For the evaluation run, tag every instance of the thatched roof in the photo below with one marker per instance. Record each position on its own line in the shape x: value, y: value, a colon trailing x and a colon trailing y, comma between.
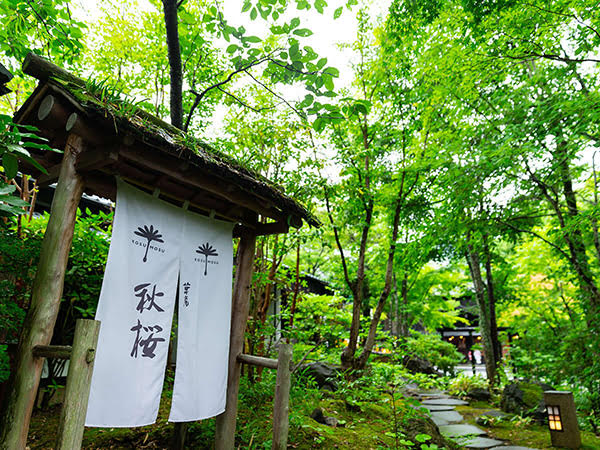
x: 126, y: 141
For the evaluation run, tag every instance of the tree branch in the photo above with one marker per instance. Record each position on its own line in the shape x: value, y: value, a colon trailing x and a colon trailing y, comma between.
x: 200, y: 96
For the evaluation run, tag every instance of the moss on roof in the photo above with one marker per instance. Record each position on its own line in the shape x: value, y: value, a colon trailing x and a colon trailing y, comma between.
x: 100, y: 101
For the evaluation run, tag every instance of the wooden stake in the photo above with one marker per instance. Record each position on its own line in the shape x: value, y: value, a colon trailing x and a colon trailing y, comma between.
x: 81, y: 364
x: 226, y: 422
x: 281, y: 402
x: 45, y: 301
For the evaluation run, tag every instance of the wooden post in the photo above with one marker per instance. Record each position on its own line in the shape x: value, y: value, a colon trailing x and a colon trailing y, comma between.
x: 226, y: 422
x: 179, y: 435
x: 281, y: 402
x: 45, y: 301
x: 81, y: 364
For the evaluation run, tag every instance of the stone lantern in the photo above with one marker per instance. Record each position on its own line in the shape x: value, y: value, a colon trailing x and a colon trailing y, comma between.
x: 562, y: 419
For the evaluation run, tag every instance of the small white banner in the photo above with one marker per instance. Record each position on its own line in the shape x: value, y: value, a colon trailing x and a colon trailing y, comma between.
x: 136, y: 309
x: 204, y: 319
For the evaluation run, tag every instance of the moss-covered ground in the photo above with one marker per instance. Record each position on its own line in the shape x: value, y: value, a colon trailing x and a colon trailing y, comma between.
x: 520, y: 431
x: 371, y: 411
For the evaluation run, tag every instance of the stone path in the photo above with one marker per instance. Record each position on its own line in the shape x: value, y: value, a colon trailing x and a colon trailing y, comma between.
x: 450, y: 422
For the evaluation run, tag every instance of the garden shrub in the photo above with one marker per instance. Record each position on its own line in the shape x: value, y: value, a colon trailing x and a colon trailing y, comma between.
x: 19, y: 255
x: 431, y: 347
x: 462, y: 384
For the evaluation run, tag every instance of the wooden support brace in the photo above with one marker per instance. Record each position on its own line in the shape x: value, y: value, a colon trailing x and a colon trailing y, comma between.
x: 52, y: 351
x: 226, y: 422
x: 281, y: 402
x: 89, y: 160
x: 79, y: 378
x: 258, y: 361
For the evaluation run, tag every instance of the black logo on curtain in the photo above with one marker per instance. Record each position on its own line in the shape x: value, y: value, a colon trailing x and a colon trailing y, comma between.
x: 206, y: 250
x: 151, y: 235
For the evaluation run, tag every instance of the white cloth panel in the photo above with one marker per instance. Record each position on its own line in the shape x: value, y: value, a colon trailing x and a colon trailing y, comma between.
x: 136, y: 309
x: 204, y: 319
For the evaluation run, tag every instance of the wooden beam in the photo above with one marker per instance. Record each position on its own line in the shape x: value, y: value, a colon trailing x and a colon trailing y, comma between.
x: 52, y: 351
x: 228, y: 215
x: 87, y: 161
x: 169, y: 165
x: 226, y: 422
x: 101, y: 185
x: 45, y: 301
x: 42, y: 69
x: 257, y: 361
x: 51, y: 113
x: 281, y: 402
x: 79, y: 379
x: 46, y: 179
x: 77, y: 124
x: 262, y: 229
x: 95, y: 159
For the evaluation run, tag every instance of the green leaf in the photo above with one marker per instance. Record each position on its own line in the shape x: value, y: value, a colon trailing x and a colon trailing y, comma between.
x: 319, y: 124
x: 11, y: 165
x: 294, y: 23
x: 232, y: 48
x: 337, y: 13
x: 422, y: 437
x: 7, y: 189
x: 294, y: 51
x: 304, y: 32
x: 253, y: 14
x: 252, y: 39
x: 332, y: 71
x: 14, y: 201
x: 11, y: 209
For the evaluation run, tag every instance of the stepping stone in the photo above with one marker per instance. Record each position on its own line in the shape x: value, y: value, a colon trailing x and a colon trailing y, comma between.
x: 448, y: 416
x: 444, y: 401
x: 512, y: 447
x: 480, y: 442
x: 461, y: 429
x: 439, y: 407
x: 432, y: 396
x: 439, y: 422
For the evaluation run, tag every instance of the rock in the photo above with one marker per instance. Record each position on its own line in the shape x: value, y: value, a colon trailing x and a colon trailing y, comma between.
x: 416, y: 364
x: 479, y: 394
x: 437, y: 407
x: 331, y: 421
x: 461, y: 429
x: 424, y: 425
x: 526, y: 398
x: 323, y: 373
x: 318, y: 416
x: 479, y: 442
x: 448, y: 416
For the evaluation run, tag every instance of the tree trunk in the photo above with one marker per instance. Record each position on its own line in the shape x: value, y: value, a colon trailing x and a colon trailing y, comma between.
x: 174, y: 50
x: 385, y: 293
x: 491, y: 302
x: 484, y: 319
x: 45, y: 300
x: 347, y: 357
x: 404, y: 326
